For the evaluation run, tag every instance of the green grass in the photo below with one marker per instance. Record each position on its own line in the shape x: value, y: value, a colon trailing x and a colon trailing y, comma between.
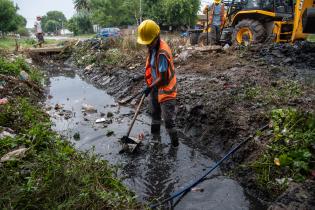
x: 311, y: 38
x: 8, y: 43
x: 281, y: 92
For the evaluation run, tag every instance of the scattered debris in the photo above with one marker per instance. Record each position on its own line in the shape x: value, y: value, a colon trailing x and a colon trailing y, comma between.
x: 88, y: 108
x: 226, y: 47
x: 58, y: 106
x: 19, y: 153
x: 100, y: 120
x: 89, y: 67
x: 4, y: 134
x: 24, y: 76
x: 110, y: 114
x: 276, y: 161
x: 109, y: 133
x: 284, y: 180
x: 3, y: 101
x: 197, y: 189
x: 76, y: 136
x: 141, y: 136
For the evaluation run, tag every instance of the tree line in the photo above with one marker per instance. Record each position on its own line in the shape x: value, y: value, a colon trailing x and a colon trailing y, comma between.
x: 106, y: 13
x: 109, y: 13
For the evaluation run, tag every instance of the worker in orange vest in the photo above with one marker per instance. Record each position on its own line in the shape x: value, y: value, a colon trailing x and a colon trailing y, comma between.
x: 160, y: 78
x: 216, y: 17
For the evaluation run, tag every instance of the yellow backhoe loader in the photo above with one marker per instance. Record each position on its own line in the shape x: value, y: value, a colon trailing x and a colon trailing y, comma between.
x: 254, y: 21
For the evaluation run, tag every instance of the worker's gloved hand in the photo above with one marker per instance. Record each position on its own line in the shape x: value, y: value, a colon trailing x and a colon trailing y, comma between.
x: 147, y: 91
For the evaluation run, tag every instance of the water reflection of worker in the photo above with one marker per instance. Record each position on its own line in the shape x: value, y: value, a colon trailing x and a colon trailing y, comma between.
x: 216, y: 16
x: 160, y: 78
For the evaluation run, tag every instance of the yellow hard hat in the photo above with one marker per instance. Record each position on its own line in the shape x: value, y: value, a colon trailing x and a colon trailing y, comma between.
x: 147, y: 32
x: 217, y: 1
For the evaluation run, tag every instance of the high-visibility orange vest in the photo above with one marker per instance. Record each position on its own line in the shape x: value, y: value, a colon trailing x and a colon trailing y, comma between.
x: 168, y: 91
x: 222, y: 14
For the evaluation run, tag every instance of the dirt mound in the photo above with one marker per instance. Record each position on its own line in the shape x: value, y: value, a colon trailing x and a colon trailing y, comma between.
x: 300, y: 54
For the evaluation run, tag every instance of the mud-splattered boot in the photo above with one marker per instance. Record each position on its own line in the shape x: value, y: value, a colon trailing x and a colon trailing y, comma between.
x: 174, y: 139
x: 155, y: 128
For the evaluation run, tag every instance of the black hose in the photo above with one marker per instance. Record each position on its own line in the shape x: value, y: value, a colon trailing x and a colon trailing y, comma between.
x: 211, y: 168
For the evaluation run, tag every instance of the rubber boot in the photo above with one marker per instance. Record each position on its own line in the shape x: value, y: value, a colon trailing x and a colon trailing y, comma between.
x: 155, y: 128
x: 174, y: 139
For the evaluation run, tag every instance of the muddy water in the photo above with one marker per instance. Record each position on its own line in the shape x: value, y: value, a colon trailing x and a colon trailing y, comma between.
x: 156, y: 170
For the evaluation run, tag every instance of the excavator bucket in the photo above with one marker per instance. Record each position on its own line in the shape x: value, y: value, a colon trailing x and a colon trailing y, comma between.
x: 309, y: 21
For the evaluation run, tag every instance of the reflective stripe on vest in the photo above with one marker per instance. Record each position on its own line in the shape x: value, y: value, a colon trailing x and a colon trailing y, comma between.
x: 168, y: 91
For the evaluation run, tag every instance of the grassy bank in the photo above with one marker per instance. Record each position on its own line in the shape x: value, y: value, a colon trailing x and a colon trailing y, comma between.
x: 50, y: 173
x: 311, y: 38
x: 9, y: 42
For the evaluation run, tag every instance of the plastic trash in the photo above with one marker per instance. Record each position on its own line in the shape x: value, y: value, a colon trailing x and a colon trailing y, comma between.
x: 19, y: 153
x: 88, y: 108
x: 6, y: 134
x: 226, y: 46
x: 3, y: 101
x: 276, y: 161
x: 197, y: 189
x: 24, y: 76
x: 100, y: 120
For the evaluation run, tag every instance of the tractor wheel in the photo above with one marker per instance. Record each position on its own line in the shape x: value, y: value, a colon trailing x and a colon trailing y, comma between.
x: 203, y: 39
x: 248, y: 31
x: 194, y: 38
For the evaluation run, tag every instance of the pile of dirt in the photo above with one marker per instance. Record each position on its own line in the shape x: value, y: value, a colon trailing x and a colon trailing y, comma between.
x: 300, y: 54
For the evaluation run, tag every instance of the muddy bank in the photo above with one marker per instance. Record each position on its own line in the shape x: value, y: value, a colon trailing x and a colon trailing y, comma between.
x: 224, y: 96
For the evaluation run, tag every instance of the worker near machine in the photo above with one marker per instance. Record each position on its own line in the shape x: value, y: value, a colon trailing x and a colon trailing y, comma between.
x: 39, y: 31
x: 160, y: 78
x: 216, y: 17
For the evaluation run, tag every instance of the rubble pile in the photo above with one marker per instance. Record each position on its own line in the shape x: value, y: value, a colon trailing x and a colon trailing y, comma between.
x: 300, y: 54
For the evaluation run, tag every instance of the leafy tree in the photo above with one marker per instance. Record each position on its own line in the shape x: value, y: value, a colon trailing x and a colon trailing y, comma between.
x: 56, y: 16
x: 172, y: 13
x: 80, y: 5
x: 80, y: 23
x: 51, y: 26
x: 9, y: 19
x: 110, y: 12
x: 127, y: 12
x: 180, y: 12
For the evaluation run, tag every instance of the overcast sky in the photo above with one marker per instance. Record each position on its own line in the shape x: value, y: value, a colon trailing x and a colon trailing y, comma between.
x: 31, y: 8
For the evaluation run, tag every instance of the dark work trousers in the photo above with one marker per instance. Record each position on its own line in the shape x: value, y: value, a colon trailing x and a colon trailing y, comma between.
x: 217, y: 33
x: 165, y: 109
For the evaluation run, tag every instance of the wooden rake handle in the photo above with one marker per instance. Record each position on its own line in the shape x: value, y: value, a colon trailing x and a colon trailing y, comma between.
x: 136, y: 114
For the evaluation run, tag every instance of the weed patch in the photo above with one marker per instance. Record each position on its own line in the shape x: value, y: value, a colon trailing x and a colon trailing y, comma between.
x: 281, y: 92
x: 290, y: 151
x: 13, y: 68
